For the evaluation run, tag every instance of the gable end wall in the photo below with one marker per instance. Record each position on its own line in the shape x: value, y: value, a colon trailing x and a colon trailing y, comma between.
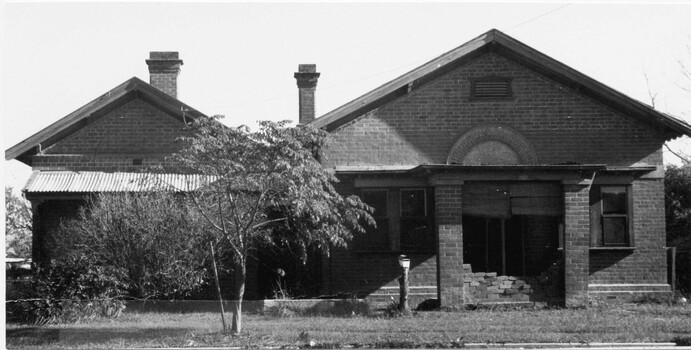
x: 561, y: 125
x: 134, y: 130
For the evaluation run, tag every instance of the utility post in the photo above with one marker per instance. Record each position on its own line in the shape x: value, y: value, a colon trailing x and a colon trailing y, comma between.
x: 404, y: 263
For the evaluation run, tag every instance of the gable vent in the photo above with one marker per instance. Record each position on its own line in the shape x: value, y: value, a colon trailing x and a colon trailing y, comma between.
x: 493, y: 88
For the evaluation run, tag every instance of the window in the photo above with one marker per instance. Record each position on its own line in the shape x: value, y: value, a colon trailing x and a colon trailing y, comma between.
x: 404, y: 220
x: 416, y: 230
x: 491, y: 88
x: 377, y: 238
x: 610, y: 216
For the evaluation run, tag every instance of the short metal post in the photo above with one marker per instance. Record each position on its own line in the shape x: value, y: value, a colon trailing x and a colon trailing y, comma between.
x: 404, y: 291
x: 404, y: 262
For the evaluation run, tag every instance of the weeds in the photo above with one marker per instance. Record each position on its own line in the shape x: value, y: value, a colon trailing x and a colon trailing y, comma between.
x: 682, y: 341
x: 449, y: 329
x: 339, y: 308
x: 393, y: 309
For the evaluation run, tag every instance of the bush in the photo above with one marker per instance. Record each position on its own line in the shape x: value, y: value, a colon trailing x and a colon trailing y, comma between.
x: 47, y: 311
x: 682, y: 341
x: 154, y: 241
x: 71, y: 290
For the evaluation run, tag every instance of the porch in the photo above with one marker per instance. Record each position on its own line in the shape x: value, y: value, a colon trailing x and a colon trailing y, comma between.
x: 517, y: 232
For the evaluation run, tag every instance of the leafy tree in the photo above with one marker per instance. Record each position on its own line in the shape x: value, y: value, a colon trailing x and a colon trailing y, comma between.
x: 678, y: 204
x: 17, y: 225
x: 264, y: 179
x: 155, y: 238
x: 678, y: 217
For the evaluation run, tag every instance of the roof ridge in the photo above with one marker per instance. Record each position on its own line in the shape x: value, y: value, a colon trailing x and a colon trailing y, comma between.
x: 517, y: 50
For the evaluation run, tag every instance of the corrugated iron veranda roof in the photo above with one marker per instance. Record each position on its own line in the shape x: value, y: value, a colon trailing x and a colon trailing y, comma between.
x: 87, y: 181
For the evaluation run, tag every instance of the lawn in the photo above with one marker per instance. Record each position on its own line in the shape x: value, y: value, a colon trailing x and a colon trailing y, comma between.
x: 632, y: 323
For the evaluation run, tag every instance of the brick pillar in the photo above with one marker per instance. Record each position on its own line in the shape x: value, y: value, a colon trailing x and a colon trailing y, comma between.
x: 307, y: 78
x: 576, y: 244
x: 447, y: 198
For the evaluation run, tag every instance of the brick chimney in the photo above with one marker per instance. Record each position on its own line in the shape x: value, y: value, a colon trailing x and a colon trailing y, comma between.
x: 164, y: 67
x: 307, y: 77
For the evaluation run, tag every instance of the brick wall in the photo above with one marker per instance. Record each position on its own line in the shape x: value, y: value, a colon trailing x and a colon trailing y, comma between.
x: 365, y: 273
x: 648, y: 262
x: 97, y: 162
x: 374, y: 274
x: 561, y: 125
x: 136, y: 130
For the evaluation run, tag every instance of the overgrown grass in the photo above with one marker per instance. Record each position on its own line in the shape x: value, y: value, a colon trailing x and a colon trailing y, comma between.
x: 634, y: 323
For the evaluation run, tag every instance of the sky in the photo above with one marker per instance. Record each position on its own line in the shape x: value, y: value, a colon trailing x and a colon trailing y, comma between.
x: 239, y: 58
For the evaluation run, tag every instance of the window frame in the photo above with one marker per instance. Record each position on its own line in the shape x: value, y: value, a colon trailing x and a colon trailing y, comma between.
x: 395, y: 219
x: 368, y: 242
x: 598, y: 216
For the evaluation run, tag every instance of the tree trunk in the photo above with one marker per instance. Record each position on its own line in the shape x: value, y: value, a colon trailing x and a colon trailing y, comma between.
x: 240, y: 272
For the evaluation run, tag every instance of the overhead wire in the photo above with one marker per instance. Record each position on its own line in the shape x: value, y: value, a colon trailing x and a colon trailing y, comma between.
x: 538, y: 17
x: 293, y: 95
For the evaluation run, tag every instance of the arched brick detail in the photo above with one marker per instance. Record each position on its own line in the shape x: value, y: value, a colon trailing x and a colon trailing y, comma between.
x: 506, y: 135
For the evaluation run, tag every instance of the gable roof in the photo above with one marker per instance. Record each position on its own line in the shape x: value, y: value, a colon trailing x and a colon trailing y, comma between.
x: 498, y: 42
x: 129, y: 90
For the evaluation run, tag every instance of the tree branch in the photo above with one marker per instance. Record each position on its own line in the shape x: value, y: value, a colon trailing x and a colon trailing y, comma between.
x: 652, y: 96
x: 683, y: 159
x: 267, y: 222
x: 201, y: 210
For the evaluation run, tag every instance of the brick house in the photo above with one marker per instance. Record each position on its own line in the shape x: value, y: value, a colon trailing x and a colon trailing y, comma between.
x: 103, y: 146
x: 505, y: 176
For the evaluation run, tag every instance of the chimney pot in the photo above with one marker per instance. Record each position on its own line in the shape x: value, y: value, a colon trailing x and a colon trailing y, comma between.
x: 307, y: 68
x: 307, y: 78
x: 164, y: 67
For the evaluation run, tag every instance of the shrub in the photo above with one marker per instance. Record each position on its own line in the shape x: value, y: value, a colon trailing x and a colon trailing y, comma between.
x: 71, y: 290
x: 682, y: 341
x: 154, y: 241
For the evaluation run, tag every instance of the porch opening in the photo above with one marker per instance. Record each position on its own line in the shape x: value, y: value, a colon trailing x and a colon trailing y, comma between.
x: 521, y: 245
x: 511, y: 238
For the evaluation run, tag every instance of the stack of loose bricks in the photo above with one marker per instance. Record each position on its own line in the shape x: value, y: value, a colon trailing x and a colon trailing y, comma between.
x: 488, y: 287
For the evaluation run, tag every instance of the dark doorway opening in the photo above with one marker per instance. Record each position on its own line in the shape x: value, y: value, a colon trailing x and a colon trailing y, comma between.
x: 522, y: 245
x: 493, y: 244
